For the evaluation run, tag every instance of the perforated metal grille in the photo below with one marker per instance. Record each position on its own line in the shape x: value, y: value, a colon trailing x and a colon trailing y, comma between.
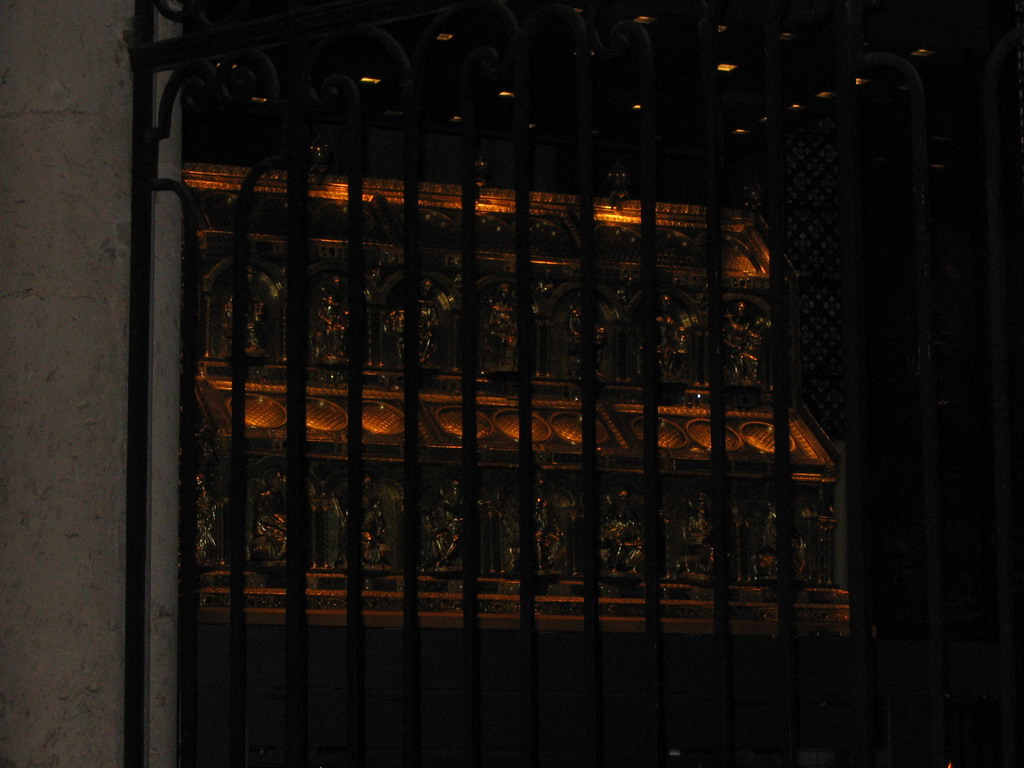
x: 812, y: 205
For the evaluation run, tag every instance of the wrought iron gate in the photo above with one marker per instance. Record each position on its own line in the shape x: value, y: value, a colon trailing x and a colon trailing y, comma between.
x: 610, y: 117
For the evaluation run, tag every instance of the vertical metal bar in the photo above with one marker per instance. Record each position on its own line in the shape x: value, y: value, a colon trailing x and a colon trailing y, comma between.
x: 238, y: 490
x: 137, y: 469
x: 782, y: 391
x: 929, y: 436
x: 927, y: 402
x: 1002, y: 457
x: 847, y: 19
x: 527, y: 476
x: 720, y: 525
x: 298, y: 527
x: 188, y: 584
x: 411, y: 372
x: 653, y: 528
x: 357, y: 353
x: 468, y: 361
x: 588, y: 391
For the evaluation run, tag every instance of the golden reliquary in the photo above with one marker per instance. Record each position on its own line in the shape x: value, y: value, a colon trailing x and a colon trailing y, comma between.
x: 684, y: 426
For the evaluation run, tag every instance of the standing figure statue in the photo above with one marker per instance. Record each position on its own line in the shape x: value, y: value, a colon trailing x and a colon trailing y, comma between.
x: 767, y: 556
x: 547, y: 534
x: 743, y: 337
x: 622, y: 534
x: 766, y: 559
x: 574, y: 345
x: 698, y: 555
x: 374, y: 529
x: 430, y: 322
x: 254, y: 326
x: 269, y: 520
x: 206, y: 524
x: 445, y: 525
x: 499, y: 332
x: 673, y: 342
x: 331, y: 324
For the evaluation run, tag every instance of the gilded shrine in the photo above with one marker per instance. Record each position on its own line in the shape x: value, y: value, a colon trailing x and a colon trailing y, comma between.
x: 684, y: 429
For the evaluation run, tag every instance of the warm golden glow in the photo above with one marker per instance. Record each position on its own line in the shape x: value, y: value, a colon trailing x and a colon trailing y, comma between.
x: 325, y: 416
x: 795, y: 107
x: 455, y: 119
x: 506, y: 95
x: 258, y: 100
x: 922, y: 52
x: 861, y: 80
x: 445, y: 36
x: 553, y: 424
x: 383, y: 419
x: 369, y: 80
x: 637, y: 107
x: 788, y: 36
x: 740, y: 131
x: 825, y: 95
x: 645, y: 19
x: 727, y: 67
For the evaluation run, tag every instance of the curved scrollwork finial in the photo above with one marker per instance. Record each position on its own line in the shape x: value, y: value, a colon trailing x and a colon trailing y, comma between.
x: 176, y: 14
x: 337, y: 90
x: 247, y: 75
x: 196, y: 82
x: 196, y: 12
x: 204, y: 85
x: 429, y: 37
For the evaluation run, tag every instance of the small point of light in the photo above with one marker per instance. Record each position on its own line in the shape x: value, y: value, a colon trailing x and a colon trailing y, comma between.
x: 922, y: 52
x: 455, y: 119
x: 645, y: 19
x: 763, y: 119
x: 506, y: 95
x: 722, y: 27
x: 445, y: 36
x: 740, y: 131
x: 861, y: 80
x: 825, y: 95
x: 369, y: 80
x: 258, y: 100
x: 532, y: 125
x: 788, y: 36
x: 578, y: 10
x: 795, y: 107
x: 638, y: 107
x: 727, y: 67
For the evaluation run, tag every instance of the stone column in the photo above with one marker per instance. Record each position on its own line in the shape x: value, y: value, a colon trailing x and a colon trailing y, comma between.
x: 65, y: 154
